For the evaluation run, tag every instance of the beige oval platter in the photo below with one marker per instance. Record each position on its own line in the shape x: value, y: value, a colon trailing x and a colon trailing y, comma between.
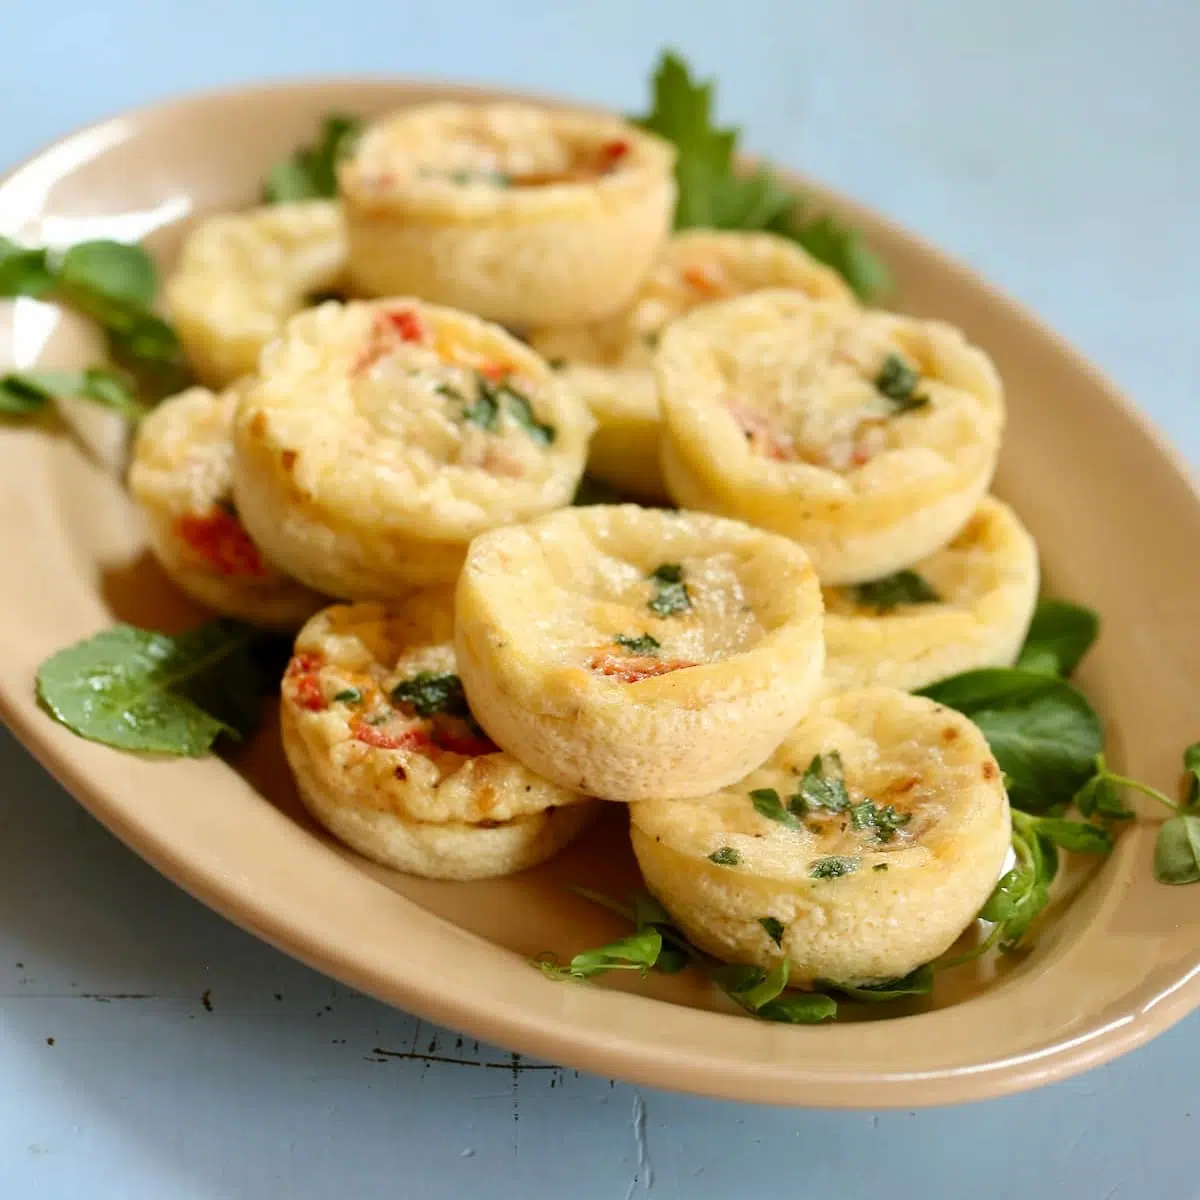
x: 1115, y: 513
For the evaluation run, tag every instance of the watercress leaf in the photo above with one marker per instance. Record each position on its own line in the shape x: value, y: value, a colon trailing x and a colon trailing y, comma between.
x: 1060, y: 634
x: 752, y: 987
x: 1191, y: 767
x: 799, y: 1008
x: 773, y: 928
x: 121, y: 273
x: 1101, y: 797
x: 736, y: 978
x: 113, y: 390
x: 638, y: 952
x: 142, y: 339
x: 1044, y: 733
x: 1026, y: 909
x: 916, y: 983
x: 767, y: 804
x: 1079, y: 837
x: 1177, y: 850
x: 846, y: 251
x: 904, y: 587
x: 648, y: 911
x: 23, y: 393
x: 24, y: 271
x: 1000, y: 905
x: 310, y: 173
x: 141, y: 690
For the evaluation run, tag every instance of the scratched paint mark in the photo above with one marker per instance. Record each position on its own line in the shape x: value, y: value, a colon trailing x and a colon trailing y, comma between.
x: 644, y: 1169
x: 206, y: 999
x: 516, y: 1102
x: 458, y: 1043
x: 106, y: 997
x: 417, y: 1056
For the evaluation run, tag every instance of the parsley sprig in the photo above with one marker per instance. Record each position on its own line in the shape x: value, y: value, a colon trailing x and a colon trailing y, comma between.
x: 310, y: 173
x: 714, y: 194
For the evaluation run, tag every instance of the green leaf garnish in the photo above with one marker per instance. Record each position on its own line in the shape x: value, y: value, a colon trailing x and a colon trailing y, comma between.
x: 640, y: 644
x: 726, y: 856
x: 24, y: 393
x: 881, y: 819
x: 671, y: 594
x: 140, y: 690
x: 1177, y: 849
x: 898, y: 382
x: 799, y: 1008
x: 904, y: 587
x: 431, y: 692
x: 833, y: 867
x: 120, y: 273
x: 915, y: 983
x: 522, y: 412
x: 484, y: 411
x: 348, y: 696
x: 1060, y: 634
x: 1079, y: 837
x: 638, y: 952
x: 1044, y: 733
x: 713, y: 194
x: 310, y: 173
x: 773, y: 928
x: 822, y: 786
x: 23, y: 271
x: 767, y: 804
x: 1191, y: 768
x: 752, y: 987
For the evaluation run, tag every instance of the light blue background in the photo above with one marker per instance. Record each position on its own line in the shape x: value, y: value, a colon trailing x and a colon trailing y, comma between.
x: 1054, y: 146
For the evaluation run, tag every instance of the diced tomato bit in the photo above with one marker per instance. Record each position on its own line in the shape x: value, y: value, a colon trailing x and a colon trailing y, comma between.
x: 303, y: 684
x: 406, y: 323
x: 632, y: 668
x: 470, y: 745
x: 377, y: 735
x: 613, y: 152
x: 763, y: 439
x: 218, y: 538
x: 495, y: 371
x: 703, y: 279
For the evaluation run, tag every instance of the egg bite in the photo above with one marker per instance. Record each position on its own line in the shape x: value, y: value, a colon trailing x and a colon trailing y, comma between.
x: 380, y: 437
x: 631, y: 652
x: 519, y: 213
x: 867, y: 437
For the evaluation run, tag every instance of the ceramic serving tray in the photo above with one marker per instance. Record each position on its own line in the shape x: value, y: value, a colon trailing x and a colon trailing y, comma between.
x: 1114, y: 512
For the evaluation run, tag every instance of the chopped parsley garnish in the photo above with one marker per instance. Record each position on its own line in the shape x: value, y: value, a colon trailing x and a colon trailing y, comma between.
x: 833, y: 867
x: 773, y: 928
x: 493, y: 398
x: 430, y: 692
x: 898, y: 382
x: 522, y: 412
x: 640, y: 644
x: 904, y: 587
x: 671, y: 595
x: 484, y: 412
x: 822, y: 786
x: 767, y: 804
x: 726, y: 856
x: 349, y: 696
x: 882, y: 819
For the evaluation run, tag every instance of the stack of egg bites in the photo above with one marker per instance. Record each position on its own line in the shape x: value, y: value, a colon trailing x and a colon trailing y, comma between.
x: 480, y: 666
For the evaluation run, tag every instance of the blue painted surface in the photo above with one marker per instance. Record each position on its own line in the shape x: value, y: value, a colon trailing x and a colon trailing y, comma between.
x: 1053, y: 145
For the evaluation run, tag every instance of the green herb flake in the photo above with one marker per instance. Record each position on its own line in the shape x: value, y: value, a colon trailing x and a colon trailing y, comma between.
x: 638, y: 644
x: 671, y: 595
x: 881, y: 819
x: 833, y: 867
x: 139, y: 690
x: 638, y: 952
x: 898, y: 382
x: 522, y: 412
x: 892, y: 591
x: 484, y: 410
x: 767, y: 804
x: 726, y: 856
x: 823, y: 785
x: 348, y: 696
x: 310, y: 173
x: 773, y: 928
x: 431, y: 692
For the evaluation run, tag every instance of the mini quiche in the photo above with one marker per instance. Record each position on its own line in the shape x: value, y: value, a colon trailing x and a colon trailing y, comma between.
x: 379, y: 438
x: 861, y: 850
x: 388, y: 757
x: 966, y: 606
x: 867, y: 437
x: 182, y: 478
x: 242, y: 275
x: 631, y: 652
x: 610, y: 361
x: 521, y: 214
